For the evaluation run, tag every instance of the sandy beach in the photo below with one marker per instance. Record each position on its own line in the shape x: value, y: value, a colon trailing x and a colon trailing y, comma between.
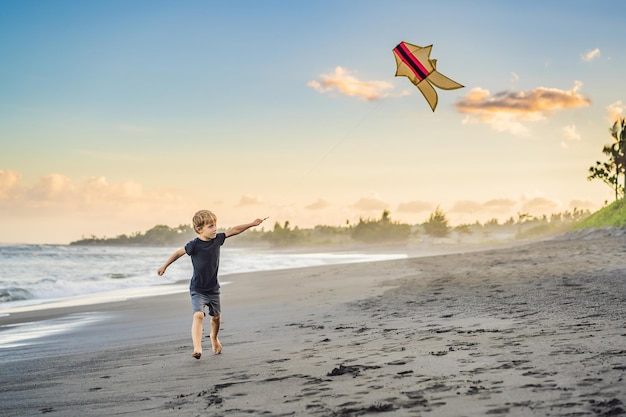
x: 537, y: 329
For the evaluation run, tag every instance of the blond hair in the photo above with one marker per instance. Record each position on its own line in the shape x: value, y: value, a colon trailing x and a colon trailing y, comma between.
x: 202, y: 218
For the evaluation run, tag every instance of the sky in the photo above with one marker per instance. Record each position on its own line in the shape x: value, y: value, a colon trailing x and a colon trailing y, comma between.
x: 116, y: 116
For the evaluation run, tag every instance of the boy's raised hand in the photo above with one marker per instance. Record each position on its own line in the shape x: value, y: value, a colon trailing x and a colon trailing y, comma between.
x: 259, y: 221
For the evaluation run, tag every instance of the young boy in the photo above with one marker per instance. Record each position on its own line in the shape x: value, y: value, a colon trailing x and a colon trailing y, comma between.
x: 204, y: 287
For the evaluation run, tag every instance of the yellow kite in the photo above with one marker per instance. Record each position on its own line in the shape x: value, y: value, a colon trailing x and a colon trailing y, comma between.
x: 414, y: 62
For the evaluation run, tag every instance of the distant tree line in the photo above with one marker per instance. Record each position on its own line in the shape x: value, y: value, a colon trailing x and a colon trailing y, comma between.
x: 383, y: 230
x: 159, y: 235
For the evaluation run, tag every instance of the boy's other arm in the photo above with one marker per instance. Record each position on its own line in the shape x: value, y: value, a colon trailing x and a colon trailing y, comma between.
x: 180, y: 252
x: 242, y: 227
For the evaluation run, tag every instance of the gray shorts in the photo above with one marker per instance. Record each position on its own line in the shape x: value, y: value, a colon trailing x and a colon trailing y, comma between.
x: 199, y: 301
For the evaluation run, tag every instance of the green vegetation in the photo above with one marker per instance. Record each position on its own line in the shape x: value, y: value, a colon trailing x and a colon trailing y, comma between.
x: 610, y: 172
x: 382, y: 231
x: 613, y: 215
x: 437, y: 225
x: 559, y: 223
x: 157, y: 236
x: 285, y: 235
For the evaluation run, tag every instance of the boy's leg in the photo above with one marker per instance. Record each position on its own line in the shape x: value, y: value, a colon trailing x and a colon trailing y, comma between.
x: 196, y: 333
x: 215, y: 311
x: 215, y: 328
x: 197, y: 305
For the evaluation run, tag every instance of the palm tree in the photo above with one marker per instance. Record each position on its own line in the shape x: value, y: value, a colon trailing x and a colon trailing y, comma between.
x: 605, y: 172
x: 618, y: 131
x: 610, y: 172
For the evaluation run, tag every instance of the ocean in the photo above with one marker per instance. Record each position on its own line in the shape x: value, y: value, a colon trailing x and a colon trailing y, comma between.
x: 43, y: 276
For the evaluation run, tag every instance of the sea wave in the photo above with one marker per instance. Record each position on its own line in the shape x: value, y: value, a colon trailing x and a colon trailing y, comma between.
x: 15, y: 294
x: 40, y: 272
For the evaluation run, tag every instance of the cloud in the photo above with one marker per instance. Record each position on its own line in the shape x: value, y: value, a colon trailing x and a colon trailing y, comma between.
x: 249, y: 200
x: 616, y: 111
x: 415, y: 206
x: 466, y: 206
x: 372, y: 203
x: 582, y: 205
x: 506, y: 208
x: 539, y: 205
x: 55, y: 187
x: 9, y: 183
x: 129, y: 191
x: 507, y: 111
x: 343, y: 82
x: 499, y: 205
x: 318, y: 205
x: 61, y: 209
x: 57, y: 190
x: 571, y: 133
x: 590, y: 55
x: 494, y: 206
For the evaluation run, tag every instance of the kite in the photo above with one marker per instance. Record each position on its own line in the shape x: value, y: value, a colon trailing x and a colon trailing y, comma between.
x: 414, y: 63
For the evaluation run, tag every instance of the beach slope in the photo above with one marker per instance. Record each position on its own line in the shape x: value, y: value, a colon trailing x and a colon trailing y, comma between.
x: 533, y: 330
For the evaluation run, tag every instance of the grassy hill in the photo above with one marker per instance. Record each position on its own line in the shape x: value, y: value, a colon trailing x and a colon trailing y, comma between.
x: 613, y: 215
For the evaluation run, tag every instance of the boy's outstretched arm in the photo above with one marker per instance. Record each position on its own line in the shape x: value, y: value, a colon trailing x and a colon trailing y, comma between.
x: 242, y: 227
x: 180, y: 252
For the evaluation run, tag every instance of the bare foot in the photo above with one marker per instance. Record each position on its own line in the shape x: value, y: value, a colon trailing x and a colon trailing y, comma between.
x: 197, y: 355
x: 217, y: 346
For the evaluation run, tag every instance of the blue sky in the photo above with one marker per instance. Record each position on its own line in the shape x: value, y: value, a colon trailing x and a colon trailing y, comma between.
x: 116, y: 116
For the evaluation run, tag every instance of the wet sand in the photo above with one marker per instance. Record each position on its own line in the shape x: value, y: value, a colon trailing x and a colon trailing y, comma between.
x: 533, y: 330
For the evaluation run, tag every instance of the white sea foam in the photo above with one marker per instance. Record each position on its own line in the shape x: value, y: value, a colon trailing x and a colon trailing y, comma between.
x: 22, y: 334
x: 41, y: 276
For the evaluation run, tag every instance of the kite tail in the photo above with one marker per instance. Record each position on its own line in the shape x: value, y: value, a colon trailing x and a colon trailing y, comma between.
x: 443, y: 82
x: 429, y: 92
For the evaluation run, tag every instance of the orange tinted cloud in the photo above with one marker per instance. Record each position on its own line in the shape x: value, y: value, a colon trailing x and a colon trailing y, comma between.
x: 582, y: 205
x: 507, y: 111
x: 249, y: 200
x: 539, y: 205
x: 318, y: 205
x: 371, y: 203
x: 495, y: 206
x: 9, y: 183
x: 500, y: 205
x: 415, y: 207
x: 57, y: 190
x: 343, y: 82
x: 61, y: 209
x: 616, y: 110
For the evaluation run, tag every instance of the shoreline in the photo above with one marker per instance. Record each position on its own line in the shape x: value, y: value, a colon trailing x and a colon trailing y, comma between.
x: 536, y: 329
x: 115, y: 295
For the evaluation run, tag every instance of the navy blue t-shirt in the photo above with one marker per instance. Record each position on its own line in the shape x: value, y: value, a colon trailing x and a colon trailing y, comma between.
x: 205, y: 258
